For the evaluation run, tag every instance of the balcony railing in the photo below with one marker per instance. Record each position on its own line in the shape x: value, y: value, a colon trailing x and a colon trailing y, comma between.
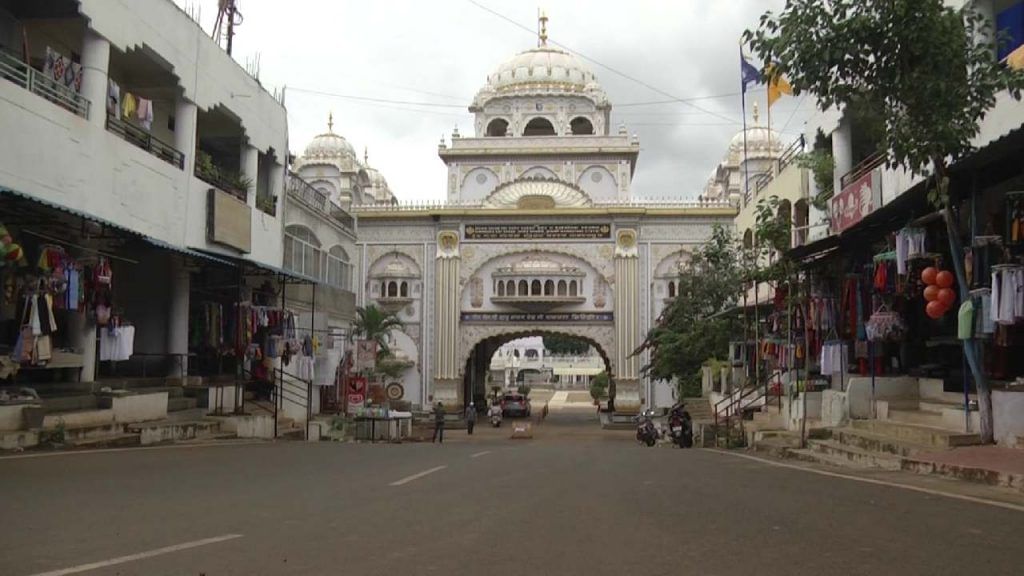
x: 866, y: 165
x: 139, y: 137
x: 34, y: 81
x: 223, y: 183
x: 301, y: 189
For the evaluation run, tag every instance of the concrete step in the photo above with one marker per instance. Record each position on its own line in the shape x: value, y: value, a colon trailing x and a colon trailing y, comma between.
x: 966, y: 472
x: 816, y: 457
x: 69, y: 403
x: 173, y: 431
x: 916, y: 434
x: 857, y: 457
x: 181, y: 403
x: 291, y: 433
x: 878, y: 443
x: 917, y: 417
x: 112, y: 441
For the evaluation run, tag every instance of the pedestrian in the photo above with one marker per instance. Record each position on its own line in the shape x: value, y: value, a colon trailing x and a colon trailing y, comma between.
x: 438, y: 423
x: 544, y: 412
x: 470, y: 418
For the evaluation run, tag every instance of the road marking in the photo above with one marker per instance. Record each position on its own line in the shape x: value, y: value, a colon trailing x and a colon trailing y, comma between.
x: 929, y: 491
x: 416, y: 476
x: 479, y: 454
x: 139, y: 556
x: 210, y: 444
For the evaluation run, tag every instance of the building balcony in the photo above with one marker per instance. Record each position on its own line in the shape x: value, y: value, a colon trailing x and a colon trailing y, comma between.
x: 539, y: 302
x: 30, y: 79
x: 394, y: 303
x: 139, y: 137
x: 224, y: 181
x: 318, y: 201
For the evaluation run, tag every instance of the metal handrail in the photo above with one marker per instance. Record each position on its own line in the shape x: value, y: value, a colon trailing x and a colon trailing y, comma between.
x: 143, y: 139
x: 36, y: 82
x: 866, y: 165
x: 222, y: 184
x: 302, y: 190
x: 791, y: 153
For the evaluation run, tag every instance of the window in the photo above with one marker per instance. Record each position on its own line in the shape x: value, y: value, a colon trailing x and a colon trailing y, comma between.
x: 510, y: 288
x: 581, y: 125
x: 549, y: 288
x: 501, y: 288
x: 573, y: 288
x: 302, y: 252
x: 497, y: 127
x: 403, y: 289
x: 535, y: 288
x: 562, y: 288
x: 671, y: 289
x: 524, y: 288
x: 539, y: 127
x: 392, y: 289
x: 339, y: 271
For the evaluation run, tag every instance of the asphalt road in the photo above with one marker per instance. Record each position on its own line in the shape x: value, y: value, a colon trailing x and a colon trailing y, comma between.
x: 574, y: 500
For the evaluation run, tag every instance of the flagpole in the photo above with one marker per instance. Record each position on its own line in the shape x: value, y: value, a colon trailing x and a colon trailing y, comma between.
x: 743, y: 106
x: 768, y: 100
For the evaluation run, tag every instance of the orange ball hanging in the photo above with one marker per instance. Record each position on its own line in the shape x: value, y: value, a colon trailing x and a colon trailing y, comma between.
x: 944, y: 279
x: 935, y: 309
x: 946, y: 295
x: 931, y: 293
x: 928, y: 275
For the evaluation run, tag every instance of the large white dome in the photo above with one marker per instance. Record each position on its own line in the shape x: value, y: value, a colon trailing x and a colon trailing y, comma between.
x: 542, y: 71
x: 328, y: 147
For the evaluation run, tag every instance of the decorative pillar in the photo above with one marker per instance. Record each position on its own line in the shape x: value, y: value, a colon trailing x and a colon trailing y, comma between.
x: 250, y: 168
x: 177, y: 317
x: 185, y: 118
x: 627, y: 321
x: 447, y: 379
x: 95, y: 64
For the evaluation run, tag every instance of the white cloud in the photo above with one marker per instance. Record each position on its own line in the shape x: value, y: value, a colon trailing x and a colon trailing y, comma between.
x: 442, y: 51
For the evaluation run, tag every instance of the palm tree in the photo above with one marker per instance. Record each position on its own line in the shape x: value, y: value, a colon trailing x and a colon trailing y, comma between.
x: 373, y: 323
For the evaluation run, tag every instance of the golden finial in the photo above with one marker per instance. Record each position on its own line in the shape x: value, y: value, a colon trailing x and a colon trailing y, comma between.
x: 366, y: 155
x: 543, y: 36
x: 330, y: 122
x: 756, y: 114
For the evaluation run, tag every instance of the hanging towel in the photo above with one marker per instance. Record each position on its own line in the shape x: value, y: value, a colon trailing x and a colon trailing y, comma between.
x: 129, y: 106
x: 144, y: 113
x: 113, y: 97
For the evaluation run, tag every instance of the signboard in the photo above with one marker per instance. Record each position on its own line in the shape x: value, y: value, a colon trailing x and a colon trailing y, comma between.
x: 366, y: 355
x: 538, y: 317
x: 228, y: 221
x: 858, y: 199
x: 538, y: 231
x: 355, y: 392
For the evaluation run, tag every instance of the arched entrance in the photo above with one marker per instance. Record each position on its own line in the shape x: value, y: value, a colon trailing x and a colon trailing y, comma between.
x: 480, y: 353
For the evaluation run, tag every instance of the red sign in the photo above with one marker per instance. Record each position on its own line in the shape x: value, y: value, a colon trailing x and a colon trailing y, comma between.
x: 853, y: 203
x: 355, y: 392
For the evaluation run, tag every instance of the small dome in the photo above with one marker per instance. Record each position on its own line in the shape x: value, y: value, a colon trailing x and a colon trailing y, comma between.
x: 328, y: 146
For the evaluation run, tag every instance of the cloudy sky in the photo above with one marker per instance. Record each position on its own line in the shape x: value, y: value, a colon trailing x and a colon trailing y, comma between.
x: 397, y: 74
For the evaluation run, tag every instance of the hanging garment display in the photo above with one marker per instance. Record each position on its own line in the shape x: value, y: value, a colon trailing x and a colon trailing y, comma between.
x: 62, y: 70
x: 1007, y: 293
x: 144, y: 113
x: 910, y: 243
x: 885, y: 325
x: 117, y: 342
x: 1014, y: 218
x: 113, y: 98
x: 833, y: 357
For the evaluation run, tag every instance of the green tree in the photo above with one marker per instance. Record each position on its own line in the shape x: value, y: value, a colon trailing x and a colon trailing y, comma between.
x: 926, y: 70
x: 373, y: 323
x: 599, y: 386
x: 565, y: 345
x: 693, y: 328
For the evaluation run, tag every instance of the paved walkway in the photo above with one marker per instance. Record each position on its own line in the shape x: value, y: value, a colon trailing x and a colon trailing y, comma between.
x: 1004, y: 460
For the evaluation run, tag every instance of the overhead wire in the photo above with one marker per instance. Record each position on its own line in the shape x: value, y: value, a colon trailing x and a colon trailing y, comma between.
x: 603, y: 65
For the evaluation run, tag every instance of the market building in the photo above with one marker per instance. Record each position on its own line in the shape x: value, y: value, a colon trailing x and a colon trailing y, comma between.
x: 901, y: 311
x: 540, y: 234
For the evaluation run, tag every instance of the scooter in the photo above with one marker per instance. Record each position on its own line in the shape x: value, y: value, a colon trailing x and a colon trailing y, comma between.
x: 646, y: 432
x: 496, y: 417
x: 680, y: 428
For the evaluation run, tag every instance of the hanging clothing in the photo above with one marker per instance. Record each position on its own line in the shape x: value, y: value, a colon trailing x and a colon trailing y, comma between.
x: 113, y: 97
x: 1007, y: 294
x: 833, y: 357
x: 910, y: 243
x: 965, y: 320
x: 129, y: 106
x: 117, y: 343
x: 144, y: 113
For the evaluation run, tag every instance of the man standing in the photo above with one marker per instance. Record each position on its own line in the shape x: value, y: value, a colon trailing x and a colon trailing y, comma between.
x: 438, y: 423
x: 470, y: 418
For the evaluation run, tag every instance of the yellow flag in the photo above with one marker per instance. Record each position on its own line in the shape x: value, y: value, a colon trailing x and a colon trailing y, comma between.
x: 1015, y: 59
x: 777, y: 86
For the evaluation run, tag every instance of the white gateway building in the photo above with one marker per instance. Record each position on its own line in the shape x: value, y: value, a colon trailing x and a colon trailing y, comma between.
x: 540, y: 235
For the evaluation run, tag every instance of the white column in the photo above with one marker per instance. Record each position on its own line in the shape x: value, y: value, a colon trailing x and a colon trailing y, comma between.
x: 83, y: 340
x: 277, y: 185
x: 95, y: 63
x: 987, y: 9
x: 842, y: 152
x: 627, y: 321
x: 250, y: 167
x: 185, y: 117
x: 447, y: 373
x: 177, y: 316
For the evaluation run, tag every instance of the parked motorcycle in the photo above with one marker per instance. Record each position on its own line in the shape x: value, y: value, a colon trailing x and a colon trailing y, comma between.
x: 680, y: 427
x: 646, y: 432
x: 495, y: 415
